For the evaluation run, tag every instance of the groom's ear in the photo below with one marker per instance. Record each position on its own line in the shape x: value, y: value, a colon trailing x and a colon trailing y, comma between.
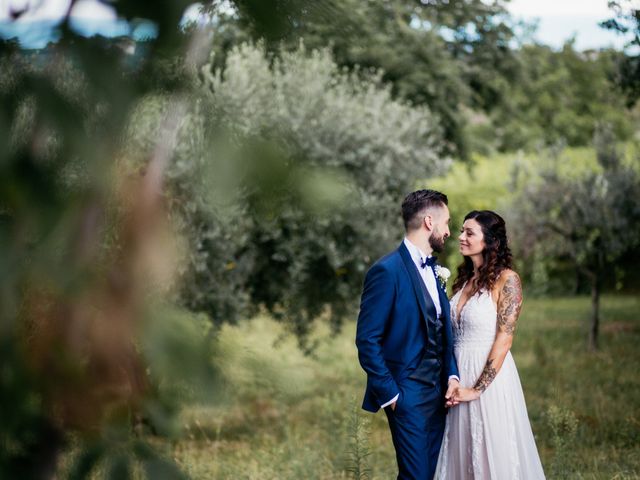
x: 428, y: 222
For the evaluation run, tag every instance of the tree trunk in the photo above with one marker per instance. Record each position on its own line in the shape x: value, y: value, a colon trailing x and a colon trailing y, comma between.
x: 595, y: 312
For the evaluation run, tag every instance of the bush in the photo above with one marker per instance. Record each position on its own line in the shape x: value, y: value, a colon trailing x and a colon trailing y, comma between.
x: 287, y: 182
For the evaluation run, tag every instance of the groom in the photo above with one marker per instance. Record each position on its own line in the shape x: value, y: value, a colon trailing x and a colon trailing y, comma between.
x: 404, y: 337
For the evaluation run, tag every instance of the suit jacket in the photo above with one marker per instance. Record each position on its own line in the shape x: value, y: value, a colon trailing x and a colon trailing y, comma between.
x: 391, y: 333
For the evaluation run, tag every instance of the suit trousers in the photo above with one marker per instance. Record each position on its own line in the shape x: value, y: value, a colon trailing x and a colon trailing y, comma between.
x: 417, y: 428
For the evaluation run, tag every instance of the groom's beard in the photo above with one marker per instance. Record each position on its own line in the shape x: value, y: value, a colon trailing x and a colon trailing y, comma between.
x: 436, y: 242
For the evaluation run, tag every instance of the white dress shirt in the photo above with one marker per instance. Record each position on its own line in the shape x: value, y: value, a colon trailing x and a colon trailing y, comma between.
x: 427, y: 273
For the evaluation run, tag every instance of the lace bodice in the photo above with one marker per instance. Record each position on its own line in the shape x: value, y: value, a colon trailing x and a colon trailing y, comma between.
x: 476, y: 326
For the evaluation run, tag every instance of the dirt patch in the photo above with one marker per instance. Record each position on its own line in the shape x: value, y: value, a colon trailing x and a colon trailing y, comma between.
x: 618, y: 327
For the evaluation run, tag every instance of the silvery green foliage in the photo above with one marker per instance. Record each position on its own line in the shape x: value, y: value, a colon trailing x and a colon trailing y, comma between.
x: 288, y: 181
x: 335, y: 119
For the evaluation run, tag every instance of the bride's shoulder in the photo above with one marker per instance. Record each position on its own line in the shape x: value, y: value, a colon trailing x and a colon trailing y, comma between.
x: 507, y: 273
x: 508, y: 279
x: 508, y: 276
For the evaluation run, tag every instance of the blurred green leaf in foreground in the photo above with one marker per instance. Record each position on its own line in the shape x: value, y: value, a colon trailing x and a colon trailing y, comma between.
x: 86, y: 248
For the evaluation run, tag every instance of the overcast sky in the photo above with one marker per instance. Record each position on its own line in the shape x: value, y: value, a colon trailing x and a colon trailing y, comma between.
x: 533, y: 8
x: 557, y: 19
x: 52, y: 9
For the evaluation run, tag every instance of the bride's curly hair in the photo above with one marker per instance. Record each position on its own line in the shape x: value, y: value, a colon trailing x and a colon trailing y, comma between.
x: 496, y: 255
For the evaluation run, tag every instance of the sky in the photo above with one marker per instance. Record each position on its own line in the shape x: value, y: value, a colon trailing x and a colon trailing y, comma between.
x: 558, y: 20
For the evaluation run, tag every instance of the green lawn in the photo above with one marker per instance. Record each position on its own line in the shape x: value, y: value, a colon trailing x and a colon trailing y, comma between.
x: 287, y: 416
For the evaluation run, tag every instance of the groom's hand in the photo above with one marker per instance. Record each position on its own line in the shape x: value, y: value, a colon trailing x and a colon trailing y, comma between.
x: 450, y: 396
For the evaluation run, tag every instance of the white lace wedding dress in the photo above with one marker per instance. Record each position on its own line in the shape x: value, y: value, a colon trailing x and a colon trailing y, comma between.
x: 489, y: 438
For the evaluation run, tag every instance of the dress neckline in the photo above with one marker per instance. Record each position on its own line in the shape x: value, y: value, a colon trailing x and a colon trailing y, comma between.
x: 458, y: 309
x: 479, y: 293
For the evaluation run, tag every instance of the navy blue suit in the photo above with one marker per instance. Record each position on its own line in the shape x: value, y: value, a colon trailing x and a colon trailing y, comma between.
x: 392, y: 339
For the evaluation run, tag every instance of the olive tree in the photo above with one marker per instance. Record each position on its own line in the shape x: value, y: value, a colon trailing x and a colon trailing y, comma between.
x: 334, y: 154
x: 589, y: 219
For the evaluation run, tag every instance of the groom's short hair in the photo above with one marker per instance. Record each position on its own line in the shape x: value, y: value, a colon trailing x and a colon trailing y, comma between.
x: 416, y: 203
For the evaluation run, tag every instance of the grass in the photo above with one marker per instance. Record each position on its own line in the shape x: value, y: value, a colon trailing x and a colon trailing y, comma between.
x: 287, y: 416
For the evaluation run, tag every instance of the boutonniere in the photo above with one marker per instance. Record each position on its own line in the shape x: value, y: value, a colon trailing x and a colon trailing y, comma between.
x: 443, y: 275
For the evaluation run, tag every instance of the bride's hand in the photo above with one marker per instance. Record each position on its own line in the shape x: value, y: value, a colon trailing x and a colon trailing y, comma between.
x: 466, y: 395
x: 454, y: 384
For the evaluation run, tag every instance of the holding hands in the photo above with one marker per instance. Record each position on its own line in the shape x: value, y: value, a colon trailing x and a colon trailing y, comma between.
x: 454, y: 385
x: 456, y: 394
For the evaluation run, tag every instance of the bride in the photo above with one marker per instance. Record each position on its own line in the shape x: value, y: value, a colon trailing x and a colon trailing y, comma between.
x: 487, y: 435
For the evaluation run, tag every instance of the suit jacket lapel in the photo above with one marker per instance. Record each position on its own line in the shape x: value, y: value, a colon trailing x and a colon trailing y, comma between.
x: 424, y: 300
x: 446, y: 312
x: 444, y: 300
